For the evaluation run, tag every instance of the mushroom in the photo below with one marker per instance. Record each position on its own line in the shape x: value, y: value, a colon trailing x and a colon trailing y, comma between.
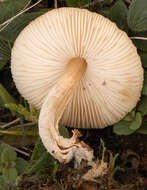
x: 81, y: 70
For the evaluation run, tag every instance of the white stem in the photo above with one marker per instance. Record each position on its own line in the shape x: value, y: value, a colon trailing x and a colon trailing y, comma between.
x: 61, y: 148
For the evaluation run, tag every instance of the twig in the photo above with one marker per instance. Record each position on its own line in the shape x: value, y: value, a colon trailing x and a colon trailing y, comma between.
x: 138, y: 38
x: 27, y: 149
x: 16, y: 149
x: 5, y: 24
x: 26, y: 124
x: 27, y: 5
x: 10, y: 123
x: 55, y: 4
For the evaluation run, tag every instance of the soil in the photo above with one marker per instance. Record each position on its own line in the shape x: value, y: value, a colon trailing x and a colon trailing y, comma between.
x: 132, y: 158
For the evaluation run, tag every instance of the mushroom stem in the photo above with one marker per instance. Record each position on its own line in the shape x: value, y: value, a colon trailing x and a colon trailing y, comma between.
x: 63, y: 149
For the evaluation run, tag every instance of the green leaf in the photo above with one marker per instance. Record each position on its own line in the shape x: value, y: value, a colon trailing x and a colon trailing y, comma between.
x: 21, y: 110
x: 137, y: 122
x: 77, y: 3
x: 137, y: 16
x: 105, y: 12
x: 8, y: 155
x: 142, y: 106
x: 4, y: 53
x: 10, y: 8
x: 141, y: 44
x: 144, y: 60
x: 34, y: 112
x: 15, y: 27
x: 143, y: 128
x: 118, y: 14
x: 46, y: 161
x: 107, y: 2
x: 12, y: 164
x: 113, y: 164
x: 130, y: 116
x: 21, y: 165
x: 103, y: 149
x: 3, y: 184
x: 129, y: 124
x: 10, y: 174
x: 64, y: 132
x: 39, y: 149
x: 123, y: 128
x: 2, y: 147
x: 144, y: 90
x: 5, y: 97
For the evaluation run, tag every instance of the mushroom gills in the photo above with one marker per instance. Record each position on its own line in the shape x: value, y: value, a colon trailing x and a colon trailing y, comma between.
x: 63, y: 149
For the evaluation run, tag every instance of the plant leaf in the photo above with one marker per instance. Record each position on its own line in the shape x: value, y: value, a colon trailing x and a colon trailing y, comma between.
x: 140, y: 44
x: 10, y: 174
x: 34, y: 112
x: 144, y: 89
x: 137, y: 16
x: 3, y: 184
x: 39, y: 149
x: 2, y: 147
x: 64, y: 131
x: 21, y: 165
x: 77, y: 3
x: 4, y: 53
x: 5, y: 97
x: 8, y: 154
x: 143, y: 128
x: 130, y: 116
x: 40, y: 159
x: 46, y: 161
x: 10, y: 8
x: 21, y: 110
x: 118, y: 14
x: 142, y: 106
x: 105, y: 12
x: 123, y: 128
x: 144, y: 60
x: 108, y: 2
x: 15, y: 27
x: 137, y: 122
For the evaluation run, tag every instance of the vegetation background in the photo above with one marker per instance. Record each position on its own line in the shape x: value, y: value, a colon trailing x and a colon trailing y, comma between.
x: 24, y: 163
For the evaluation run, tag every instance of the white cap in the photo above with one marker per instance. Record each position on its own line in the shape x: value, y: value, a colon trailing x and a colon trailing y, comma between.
x: 112, y: 83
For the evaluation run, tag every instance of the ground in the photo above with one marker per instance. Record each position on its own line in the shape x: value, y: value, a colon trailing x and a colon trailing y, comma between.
x: 132, y: 158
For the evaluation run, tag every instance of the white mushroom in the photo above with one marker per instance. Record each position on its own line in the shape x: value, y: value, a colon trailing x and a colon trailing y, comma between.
x: 81, y: 70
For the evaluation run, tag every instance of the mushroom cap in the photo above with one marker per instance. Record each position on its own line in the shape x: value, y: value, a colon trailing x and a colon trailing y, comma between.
x: 112, y: 83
